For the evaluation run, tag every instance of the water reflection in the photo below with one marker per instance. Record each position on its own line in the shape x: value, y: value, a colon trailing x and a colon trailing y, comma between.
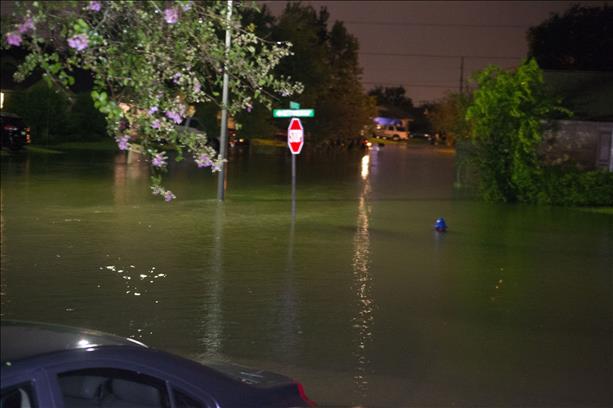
x: 288, y: 303
x: 136, y: 284
x: 3, y: 288
x: 212, y: 324
x: 128, y: 172
x: 365, y: 168
x: 364, y: 319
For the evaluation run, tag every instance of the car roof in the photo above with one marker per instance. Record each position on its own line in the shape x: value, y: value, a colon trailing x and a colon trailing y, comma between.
x: 9, y: 115
x: 21, y: 339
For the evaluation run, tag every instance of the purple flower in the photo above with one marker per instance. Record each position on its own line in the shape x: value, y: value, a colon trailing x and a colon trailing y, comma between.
x: 197, y: 86
x: 13, y: 38
x: 79, y: 42
x: 174, y: 116
x: 94, y: 6
x: 203, y: 161
x: 153, y: 109
x: 249, y: 107
x: 159, y: 160
x: 169, y: 196
x: 122, y: 142
x: 171, y: 15
x: 186, y: 6
x: 26, y: 26
x: 176, y: 77
x: 156, y: 124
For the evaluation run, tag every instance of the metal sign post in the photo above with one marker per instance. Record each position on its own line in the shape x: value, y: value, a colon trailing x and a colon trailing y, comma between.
x: 295, y: 141
x: 223, y: 140
x: 293, y: 187
x: 295, y: 138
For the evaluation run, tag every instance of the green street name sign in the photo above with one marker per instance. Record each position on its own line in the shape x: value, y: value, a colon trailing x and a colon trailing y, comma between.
x: 293, y: 113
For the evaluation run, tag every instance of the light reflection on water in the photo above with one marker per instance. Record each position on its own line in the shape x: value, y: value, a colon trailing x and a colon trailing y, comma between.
x: 364, y: 320
x: 212, y: 317
x: 357, y: 297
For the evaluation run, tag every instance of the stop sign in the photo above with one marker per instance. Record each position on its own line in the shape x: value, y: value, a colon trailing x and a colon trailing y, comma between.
x: 295, y: 136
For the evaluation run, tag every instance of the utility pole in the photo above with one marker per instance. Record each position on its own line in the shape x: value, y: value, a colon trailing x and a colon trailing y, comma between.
x: 223, y: 139
x: 461, y: 75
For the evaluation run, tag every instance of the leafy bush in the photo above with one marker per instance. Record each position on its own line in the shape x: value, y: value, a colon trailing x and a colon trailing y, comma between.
x: 506, y: 116
x: 572, y: 187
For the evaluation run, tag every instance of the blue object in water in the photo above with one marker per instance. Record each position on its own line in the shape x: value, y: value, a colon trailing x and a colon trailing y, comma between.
x: 440, y: 225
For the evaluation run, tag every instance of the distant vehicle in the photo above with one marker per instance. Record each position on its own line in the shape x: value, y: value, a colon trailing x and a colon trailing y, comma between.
x: 237, y: 141
x: 15, y: 133
x: 53, y: 366
x: 421, y: 135
x: 393, y: 132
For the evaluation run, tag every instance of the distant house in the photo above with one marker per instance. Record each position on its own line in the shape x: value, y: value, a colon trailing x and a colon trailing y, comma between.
x: 587, y: 137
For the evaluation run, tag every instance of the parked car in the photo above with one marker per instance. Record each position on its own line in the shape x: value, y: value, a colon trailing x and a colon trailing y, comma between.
x: 236, y: 141
x: 15, y: 133
x: 392, y: 132
x: 47, y: 365
x: 421, y: 135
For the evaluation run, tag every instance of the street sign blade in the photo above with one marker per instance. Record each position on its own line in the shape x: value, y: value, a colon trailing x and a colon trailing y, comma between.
x: 293, y: 113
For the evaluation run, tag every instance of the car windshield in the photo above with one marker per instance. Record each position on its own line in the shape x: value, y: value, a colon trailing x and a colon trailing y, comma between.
x: 13, y: 120
x: 400, y: 129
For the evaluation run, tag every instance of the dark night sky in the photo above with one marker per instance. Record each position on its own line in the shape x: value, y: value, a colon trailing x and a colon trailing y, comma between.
x: 445, y: 28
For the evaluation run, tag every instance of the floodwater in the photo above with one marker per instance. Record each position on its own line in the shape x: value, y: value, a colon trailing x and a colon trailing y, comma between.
x: 358, y: 297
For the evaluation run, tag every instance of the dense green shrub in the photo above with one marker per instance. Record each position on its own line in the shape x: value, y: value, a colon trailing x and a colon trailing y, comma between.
x: 573, y: 187
x: 507, y: 116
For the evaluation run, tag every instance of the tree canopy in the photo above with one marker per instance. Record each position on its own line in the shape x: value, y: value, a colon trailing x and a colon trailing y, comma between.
x: 151, y: 61
x: 325, y: 61
x: 393, y: 100
x: 579, y: 39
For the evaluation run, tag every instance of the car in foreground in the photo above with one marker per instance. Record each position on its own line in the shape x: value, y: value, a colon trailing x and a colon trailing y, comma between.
x: 46, y: 365
x: 15, y: 133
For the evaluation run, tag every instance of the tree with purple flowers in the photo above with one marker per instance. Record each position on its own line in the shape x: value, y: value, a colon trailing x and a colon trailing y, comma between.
x: 151, y: 61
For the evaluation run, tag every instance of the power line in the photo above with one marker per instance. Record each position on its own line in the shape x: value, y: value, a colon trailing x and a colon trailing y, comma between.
x: 455, y: 25
x: 410, y: 84
x: 399, y: 54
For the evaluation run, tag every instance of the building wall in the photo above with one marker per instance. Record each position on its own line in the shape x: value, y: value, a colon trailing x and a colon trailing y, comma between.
x: 588, y: 144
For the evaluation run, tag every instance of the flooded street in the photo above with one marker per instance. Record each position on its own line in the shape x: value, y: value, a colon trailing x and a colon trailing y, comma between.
x: 359, y: 298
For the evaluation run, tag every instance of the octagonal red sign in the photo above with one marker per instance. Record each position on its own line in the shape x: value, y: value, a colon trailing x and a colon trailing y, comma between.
x: 295, y: 136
